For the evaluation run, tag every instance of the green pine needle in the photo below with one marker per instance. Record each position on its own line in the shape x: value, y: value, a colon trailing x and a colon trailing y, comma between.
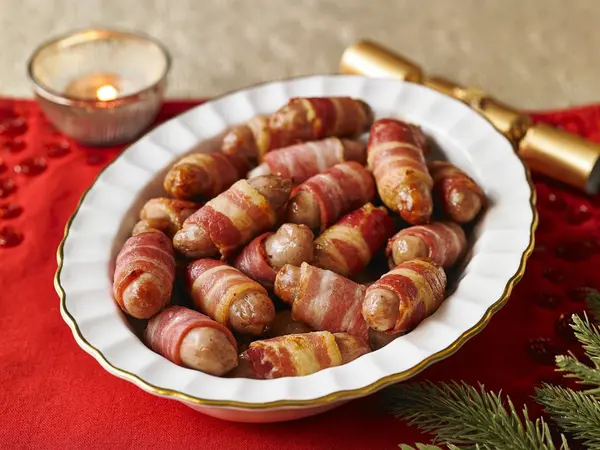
x: 589, y: 336
x: 574, y: 411
x: 430, y: 447
x: 576, y: 369
x: 461, y: 414
x: 593, y: 304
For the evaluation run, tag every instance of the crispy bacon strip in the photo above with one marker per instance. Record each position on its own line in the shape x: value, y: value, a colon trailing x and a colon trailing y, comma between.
x: 442, y: 242
x: 251, y: 140
x: 404, y: 296
x: 322, y: 299
x: 396, y: 157
x: 144, y: 274
x: 301, y: 354
x: 301, y: 161
x: 460, y: 197
x: 216, y: 288
x: 166, y: 331
x: 348, y: 246
x: 339, y: 189
x: 204, y: 175
x: 165, y: 214
x: 314, y: 118
x: 253, y: 261
x: 234, y: 217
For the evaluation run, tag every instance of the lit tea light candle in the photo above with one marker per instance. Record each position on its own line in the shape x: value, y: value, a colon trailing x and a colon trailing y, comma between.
x: 100, y: 87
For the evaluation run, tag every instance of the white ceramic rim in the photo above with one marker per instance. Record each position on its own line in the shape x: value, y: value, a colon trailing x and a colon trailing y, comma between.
x: 504, y: 241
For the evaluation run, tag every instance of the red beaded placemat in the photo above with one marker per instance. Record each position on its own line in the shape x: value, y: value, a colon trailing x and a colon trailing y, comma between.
x: 56, y: 396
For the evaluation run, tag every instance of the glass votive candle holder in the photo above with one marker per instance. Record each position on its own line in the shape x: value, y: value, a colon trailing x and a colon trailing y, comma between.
x: 101, y: 87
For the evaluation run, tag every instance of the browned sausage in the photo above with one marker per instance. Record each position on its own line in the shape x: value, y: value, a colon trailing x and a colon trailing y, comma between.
x: 460, y: 197
x: 233, y: 218
x: 144, y: 274
x: 191, y: 339
x: 165, y: 214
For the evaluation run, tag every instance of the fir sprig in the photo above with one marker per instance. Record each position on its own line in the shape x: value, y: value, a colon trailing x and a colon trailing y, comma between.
x: 430, y: 447
x: 574, y: 411
x: 593, y: 304
x: 573, y: 368
x: 589, y: 336
x: 463, y: 415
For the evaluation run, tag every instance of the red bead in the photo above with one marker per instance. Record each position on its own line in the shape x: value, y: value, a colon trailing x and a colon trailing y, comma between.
x: 546, y: 300
x: 31, y: 166
x: 563, y: 327
x: 542, y: 350
x: 579, y: 215
x: 57, y: 149
x: 553, y: 274
x: 10, y: 210
x: 10, y: 237
x: 95, y: 159
x: 14, y: 146
x: 554, y: 202
x: 574, y: 251
x: 7, y: 187
x: 12, y: 127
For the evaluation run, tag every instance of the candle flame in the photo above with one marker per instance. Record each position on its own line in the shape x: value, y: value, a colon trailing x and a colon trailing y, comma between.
x: 106, y: 92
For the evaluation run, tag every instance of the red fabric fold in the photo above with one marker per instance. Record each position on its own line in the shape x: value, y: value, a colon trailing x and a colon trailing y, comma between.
x: 54, y: 395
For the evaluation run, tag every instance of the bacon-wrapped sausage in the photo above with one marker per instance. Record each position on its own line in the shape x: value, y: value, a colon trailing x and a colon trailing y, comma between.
x: 228, y: 296
x: 191, y: 339
x: 396, y: 157
x: 442, y: 242
x: 323, y: 198
x: 144, y: 274
x: 322, y: 299
x: 165, y: 214
x: 269, y: 252
x: 299, y: 354
x: 348, y: 246
x: 233, y: 218
x: 283, y: 324
x: 251, y: 140
x: 404, y: 296
x: 204, y: 175
x: 311, y: 119
x: 460, y: 197
x: 301, y: 161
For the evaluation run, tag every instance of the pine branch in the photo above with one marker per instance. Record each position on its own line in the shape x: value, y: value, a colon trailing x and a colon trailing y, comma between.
x: 574, y: 411
x: 576, y: 369
x: 589, y: 336
x: 429, y: 447
x: 461, y: 414
x: 593, y: 304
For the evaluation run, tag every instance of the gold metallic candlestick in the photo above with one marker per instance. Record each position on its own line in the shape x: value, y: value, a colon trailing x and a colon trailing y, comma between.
x: 545, y: 149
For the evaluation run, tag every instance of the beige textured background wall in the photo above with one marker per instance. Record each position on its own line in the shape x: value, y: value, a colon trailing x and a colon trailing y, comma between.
x: 531, y: 53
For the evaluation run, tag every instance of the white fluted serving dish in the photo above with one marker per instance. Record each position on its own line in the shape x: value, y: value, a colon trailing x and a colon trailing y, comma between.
x: 501, y: 243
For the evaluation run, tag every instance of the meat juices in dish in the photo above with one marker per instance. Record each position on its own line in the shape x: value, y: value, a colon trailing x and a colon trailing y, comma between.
x: 191, y: 339
x: 460, y: 197
x: 204, y: 175
x: 228, y: 296
x: 301, y: 161
x: 348, y: 246
x: 165, y: 214
x: 233, y: 218
x: 267, y: 253
x: 302, y: 119
x: 442, y: 242
x: 323, y: 198
x: 299, y: 354
x: 395, y: 154
x: 322, y: 299
x: 144, y: 274
x: 404, y: 296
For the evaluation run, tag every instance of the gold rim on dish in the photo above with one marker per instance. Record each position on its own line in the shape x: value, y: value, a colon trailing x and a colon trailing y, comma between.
x: 319, y: 401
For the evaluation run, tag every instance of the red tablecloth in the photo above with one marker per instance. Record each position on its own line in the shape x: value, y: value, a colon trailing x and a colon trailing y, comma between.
x: 56, y: 396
